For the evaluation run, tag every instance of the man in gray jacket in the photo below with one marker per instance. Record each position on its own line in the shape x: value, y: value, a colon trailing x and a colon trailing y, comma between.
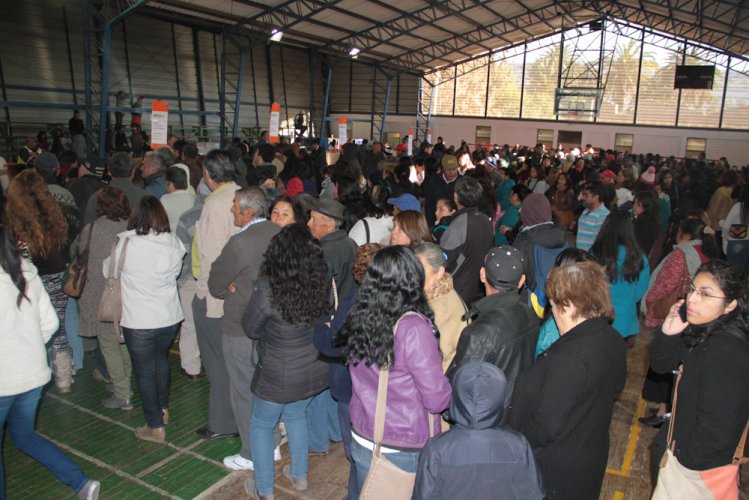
x: 231, y: 279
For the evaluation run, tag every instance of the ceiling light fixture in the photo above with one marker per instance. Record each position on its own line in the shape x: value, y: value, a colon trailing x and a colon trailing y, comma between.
x: 276, y: 35
x: 354, y: 53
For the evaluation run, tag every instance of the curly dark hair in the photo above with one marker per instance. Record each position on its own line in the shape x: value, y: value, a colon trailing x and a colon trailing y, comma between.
x: 394, y: 285
x: 32, y: 214
x: 295, y: 268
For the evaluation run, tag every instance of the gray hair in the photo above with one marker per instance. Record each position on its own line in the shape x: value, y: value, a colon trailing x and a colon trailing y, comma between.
x: 154, y: 158
x: 432, y: 253
x: 253, y: 197
x: 166, y: 154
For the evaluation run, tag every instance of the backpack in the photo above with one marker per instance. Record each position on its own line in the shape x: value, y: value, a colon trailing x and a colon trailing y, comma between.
x: 544, y: 259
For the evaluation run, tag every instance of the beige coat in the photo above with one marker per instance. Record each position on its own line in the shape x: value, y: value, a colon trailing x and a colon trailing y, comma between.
x: 215, y: 227
x: 448, y: 310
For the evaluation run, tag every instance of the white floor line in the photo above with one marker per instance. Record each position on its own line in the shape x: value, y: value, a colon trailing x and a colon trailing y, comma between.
x: 113, y: 470
x: 185, y: 451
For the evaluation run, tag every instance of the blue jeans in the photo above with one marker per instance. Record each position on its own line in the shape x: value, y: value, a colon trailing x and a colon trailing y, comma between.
x: 404, y: 460
x: 149, y: 353
x: 322, y: 419
x: 344, y: 417
x: 265, y: 416
x: 71, y: 328
x: 20, y: 413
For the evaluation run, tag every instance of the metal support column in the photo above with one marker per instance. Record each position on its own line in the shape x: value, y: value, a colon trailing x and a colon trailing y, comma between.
x: 199, y: 75
x: 127, y: 62
x: 88, y: 84
x: 106, y: 59
x: 7, y: 109
x: 221, y: 82
x: 254, y: 87
x: 70, y: 55
x: 325, y: 103
x: 639, y: 77
x: 176, y: 78
x: 238, y: 96
x: 725, y: 91
x: 385, y: 112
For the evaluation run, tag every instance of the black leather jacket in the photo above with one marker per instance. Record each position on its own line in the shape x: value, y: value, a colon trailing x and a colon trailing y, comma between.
x: 504, y: 334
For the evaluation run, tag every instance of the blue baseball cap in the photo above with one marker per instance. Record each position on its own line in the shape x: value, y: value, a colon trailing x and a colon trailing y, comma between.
x: 405, y: 202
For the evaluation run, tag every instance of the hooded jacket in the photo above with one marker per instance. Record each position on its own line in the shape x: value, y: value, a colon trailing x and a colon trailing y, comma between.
x: 548, y: 235
x: 23, y: 332
x: 478, y: 458
x: 149, y: 279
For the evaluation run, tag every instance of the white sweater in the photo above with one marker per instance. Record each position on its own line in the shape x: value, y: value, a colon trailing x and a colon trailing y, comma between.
x: 23, y: 333
x: 149, y: 280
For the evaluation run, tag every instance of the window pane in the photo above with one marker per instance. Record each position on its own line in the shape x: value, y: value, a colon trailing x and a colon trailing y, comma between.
x: 470, y: 97
x: 736, y: 112
x: 505, y: 82
x: 701, y: 108
x: 618, y: 105
x: 624, y: 140
x: 658, y: 98
x: 545, y: 135
x: 444, y: 91
x: 698, y: 145
x: 542, y: 68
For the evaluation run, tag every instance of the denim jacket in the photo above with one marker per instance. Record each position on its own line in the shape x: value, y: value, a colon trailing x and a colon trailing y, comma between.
x: 416, y: 387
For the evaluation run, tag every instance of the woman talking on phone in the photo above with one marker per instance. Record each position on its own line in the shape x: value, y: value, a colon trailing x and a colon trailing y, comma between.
x: 708, y: 338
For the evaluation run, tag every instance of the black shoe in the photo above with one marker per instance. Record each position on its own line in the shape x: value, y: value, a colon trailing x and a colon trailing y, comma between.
x: 188, y: 376
x: 206, y: 433
x: 653, y: 421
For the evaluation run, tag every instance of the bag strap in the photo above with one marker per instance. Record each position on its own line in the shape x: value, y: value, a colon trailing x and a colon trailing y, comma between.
x: 382, y: 397
x: 669, y: 439
x: 84, y: 257
x: 366, y: 228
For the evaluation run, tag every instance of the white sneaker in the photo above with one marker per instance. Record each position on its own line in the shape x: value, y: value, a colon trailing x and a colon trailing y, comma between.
x: 237, y: 462
x: 277, y: 454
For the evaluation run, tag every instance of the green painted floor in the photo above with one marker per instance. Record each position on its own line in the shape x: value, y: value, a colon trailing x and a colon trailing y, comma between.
x: 102, y: 442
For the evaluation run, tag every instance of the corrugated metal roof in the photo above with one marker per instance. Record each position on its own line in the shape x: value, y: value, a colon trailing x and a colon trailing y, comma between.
x: 422, y: 35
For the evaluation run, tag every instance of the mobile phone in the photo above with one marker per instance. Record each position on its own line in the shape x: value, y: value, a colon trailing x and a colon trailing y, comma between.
x: 683, y: 312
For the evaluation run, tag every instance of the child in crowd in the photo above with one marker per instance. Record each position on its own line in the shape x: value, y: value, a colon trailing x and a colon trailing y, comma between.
x: 478, y: 458
x: 446, y: 207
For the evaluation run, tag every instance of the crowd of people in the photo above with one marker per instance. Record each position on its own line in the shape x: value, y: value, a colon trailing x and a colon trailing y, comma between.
x: 497, y: 288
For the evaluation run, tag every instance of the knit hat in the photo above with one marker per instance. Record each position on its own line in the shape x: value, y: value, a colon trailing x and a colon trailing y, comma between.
x: 648, y: 177
x: 535, y: 210
x: 504, y: 267
x: 294, y: 186
x: 608, y: 174
x: 46, y: 163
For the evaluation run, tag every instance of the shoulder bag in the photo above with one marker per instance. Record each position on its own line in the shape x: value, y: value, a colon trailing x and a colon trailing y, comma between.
x: 110, y: 305
x: 676, y: 482
x: 75, y: 275
x: 385, y: 480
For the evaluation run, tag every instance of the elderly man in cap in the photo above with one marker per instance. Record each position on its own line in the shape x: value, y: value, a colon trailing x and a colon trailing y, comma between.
x: 439, y: 186
x: 339, y: 252
x: 505, y: 329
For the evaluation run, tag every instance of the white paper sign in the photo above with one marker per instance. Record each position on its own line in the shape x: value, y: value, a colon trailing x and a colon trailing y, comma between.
x: 410, y: 144
x: 275, y: 120
x: 159, y: 123
x: 342, y: 133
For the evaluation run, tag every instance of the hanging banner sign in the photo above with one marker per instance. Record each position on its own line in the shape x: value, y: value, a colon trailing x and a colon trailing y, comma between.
x: 342, y: 131
x: 275, y: 121
x: 429, y: 137
x: 159, y: 124
x: 410, y: 142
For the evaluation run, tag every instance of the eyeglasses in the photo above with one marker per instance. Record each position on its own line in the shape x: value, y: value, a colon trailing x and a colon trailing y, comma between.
x: 702, y: 294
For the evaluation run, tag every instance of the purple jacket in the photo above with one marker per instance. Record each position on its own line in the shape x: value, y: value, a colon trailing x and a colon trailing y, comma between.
x: 416, y: 386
